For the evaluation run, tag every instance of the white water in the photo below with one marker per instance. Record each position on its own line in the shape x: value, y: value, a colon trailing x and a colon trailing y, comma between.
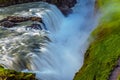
x: 56, y: 60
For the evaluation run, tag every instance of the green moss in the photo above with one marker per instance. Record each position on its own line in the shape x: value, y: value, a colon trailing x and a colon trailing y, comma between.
x: 100, y: 59
x: 6, y: 74
x: 104, y: 51
x: 102, y: 3
x: 118, y: 78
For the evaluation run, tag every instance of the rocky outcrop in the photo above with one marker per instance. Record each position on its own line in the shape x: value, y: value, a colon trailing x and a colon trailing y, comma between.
x: 17, y: 19
x: 38, y: 19
x: 63, y: 5
x: 12, y: 21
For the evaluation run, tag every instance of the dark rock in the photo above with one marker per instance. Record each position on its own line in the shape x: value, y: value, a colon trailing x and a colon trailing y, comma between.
x: 65, y: 10
x: 65, y: 5
x: 38, y: 19
x: 7, y: 24
x: 11, y: 21
x: 17, y: 19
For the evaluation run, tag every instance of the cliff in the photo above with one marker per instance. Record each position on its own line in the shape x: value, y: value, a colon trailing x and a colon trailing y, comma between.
x: 101, y: 58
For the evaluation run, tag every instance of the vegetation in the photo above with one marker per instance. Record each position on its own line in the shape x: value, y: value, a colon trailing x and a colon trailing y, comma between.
x: 6, y: 74
x: 104, y: 51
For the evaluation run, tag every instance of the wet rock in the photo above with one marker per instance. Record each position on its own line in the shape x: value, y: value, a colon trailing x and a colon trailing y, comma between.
x: 65, y: 5
x: 17, y: 19
x: 38, y: 19
x: 7, y: 24
x: 47, y: 38
x: 11, y: 21
x: 65, y: 10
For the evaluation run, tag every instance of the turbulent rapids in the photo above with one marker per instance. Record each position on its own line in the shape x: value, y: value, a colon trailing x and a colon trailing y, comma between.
x: 54, y: 53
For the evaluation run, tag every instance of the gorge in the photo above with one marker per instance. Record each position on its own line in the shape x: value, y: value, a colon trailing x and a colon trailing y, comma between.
x: 46, y: 42
x: 57, y: 60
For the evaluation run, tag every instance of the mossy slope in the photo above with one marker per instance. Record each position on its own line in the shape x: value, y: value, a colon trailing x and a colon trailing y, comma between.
x: 104, y: 51
x: 6, y: 74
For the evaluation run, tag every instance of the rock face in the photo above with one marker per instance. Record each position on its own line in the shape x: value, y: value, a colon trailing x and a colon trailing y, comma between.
x: 16, y: 19
x: 63, y: 5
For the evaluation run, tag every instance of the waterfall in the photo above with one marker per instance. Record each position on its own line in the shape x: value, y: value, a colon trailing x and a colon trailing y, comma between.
x: 60, y: 59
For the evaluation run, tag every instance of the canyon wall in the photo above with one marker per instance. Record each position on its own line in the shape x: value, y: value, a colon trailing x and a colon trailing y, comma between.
x: 102, y: 57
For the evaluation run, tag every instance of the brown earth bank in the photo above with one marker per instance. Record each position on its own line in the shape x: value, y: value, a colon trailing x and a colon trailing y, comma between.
x: 63, y: 5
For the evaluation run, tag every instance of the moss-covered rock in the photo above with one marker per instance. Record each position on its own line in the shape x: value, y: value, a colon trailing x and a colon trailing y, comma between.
x: 103, y: 53
x: 6, y: 74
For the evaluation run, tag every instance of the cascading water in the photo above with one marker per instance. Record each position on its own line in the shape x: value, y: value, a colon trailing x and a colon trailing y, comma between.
x: 30, y: 51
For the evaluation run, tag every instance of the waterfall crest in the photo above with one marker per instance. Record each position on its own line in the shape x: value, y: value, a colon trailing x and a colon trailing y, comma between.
x: 29, y: 51
x: 18, y: 45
